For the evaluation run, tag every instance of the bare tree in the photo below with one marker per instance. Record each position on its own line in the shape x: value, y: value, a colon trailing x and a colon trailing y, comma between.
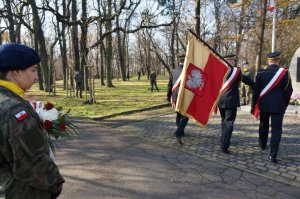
x: 61, y: 33
x: 262, y: 33
x: 197, y: 16
x: 39, y: 36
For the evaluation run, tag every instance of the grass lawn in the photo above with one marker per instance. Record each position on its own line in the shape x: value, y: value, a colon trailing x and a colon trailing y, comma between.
x: 125, y: 96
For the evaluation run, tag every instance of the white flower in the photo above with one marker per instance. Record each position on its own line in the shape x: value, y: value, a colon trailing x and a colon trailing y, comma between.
x: 48, y: 114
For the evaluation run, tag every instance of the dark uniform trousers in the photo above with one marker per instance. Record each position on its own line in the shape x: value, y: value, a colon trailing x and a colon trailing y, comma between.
x: 181, y: 122
x: 276, y: 124
x: 228, y: 117
x: 228, y: 103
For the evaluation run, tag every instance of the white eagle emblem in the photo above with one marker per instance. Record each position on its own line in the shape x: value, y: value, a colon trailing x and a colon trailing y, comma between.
x: 195, y: 80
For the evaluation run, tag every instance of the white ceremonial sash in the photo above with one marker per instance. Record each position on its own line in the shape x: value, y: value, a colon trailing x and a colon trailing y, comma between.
x: 230, y: 80
x: 274, y: 81
x: 176, y: 85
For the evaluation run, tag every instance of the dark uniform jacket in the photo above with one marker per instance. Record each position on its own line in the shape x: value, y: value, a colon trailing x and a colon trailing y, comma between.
x: 25, y: 164
x: 230, y: 98
x: 278, y: 98
x: 173, y: 78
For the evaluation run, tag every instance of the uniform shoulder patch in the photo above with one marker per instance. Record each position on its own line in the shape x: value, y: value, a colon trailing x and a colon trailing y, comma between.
x: 21, y: 115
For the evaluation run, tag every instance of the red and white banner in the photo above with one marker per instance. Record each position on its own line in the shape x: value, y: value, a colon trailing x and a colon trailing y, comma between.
x: 272, y: 5
x: 201, y: 81
x: 274, y: 81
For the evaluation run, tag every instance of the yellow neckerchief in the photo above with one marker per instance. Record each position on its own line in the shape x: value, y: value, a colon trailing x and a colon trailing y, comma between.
x: 13, y: 87
x: 245, y: 69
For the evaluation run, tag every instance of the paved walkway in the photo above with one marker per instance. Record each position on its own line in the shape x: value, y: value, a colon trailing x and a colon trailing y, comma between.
x: 136, y: 156
x: 245, y: 153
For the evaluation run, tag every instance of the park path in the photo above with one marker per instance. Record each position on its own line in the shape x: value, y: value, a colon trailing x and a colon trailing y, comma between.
x: 136, y: 156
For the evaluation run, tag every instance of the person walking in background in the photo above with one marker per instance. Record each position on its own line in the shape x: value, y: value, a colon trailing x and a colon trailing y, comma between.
x: 181, y: 120
x: 229, y: 101
x: 153, y: 77
x: 79, y: 81
x: 271, y: 95
x: 27, y: 170
x: 139, y: 74
x: 246, y: 91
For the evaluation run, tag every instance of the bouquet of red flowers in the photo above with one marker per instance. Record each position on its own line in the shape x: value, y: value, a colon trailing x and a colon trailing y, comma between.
x: 55, y: 122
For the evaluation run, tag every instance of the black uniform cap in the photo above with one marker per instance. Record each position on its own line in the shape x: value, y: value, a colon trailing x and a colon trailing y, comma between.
x: 229, y: 57
x: 273, y: 55
x: 15, y: 56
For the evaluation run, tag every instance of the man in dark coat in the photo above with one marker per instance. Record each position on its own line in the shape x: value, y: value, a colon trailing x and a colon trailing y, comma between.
x: 153, y: 77
x: 271, y: 99
x: 78, y: 80
x: 229, y: 101
x: 181, y: 120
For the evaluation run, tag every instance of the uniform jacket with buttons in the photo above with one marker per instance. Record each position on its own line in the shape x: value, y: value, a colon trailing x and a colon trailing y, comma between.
x: 230, y: 98
x: 278, y: 98
x: 176, y: 72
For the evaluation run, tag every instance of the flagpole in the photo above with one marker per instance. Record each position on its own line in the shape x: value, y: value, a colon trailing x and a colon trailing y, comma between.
x: 274, y: 28
x: 210, y: 48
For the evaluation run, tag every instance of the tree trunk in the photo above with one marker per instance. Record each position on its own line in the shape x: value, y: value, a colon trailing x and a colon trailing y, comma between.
x: 74, y: 33
x: 218, y: 25
x: 197, y: 17
x: 39, y: 35
x: 108, y: 26
x: 51, y: 69
x: 11, y: 22
x: 63, y: 44
x: 121, y: 51
x: 172, y: 51
x: 101, y: 46
x: 239, y: 37
x: 41, y: 79
x: 83, y: 41
x: 261, y: 38
x: 102, y: 60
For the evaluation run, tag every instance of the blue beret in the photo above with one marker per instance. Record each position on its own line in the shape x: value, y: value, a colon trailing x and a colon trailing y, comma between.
x: 273, y: 55
x: 15, y: 56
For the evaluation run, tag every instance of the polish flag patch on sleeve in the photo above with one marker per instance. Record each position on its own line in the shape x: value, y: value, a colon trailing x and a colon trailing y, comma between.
x: 21, y: 115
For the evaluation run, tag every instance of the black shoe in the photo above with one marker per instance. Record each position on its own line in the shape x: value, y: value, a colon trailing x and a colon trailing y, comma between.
x: 274, y: 160
x: 226, y: 151
x: 262, y: 147
x: 179, y: 140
